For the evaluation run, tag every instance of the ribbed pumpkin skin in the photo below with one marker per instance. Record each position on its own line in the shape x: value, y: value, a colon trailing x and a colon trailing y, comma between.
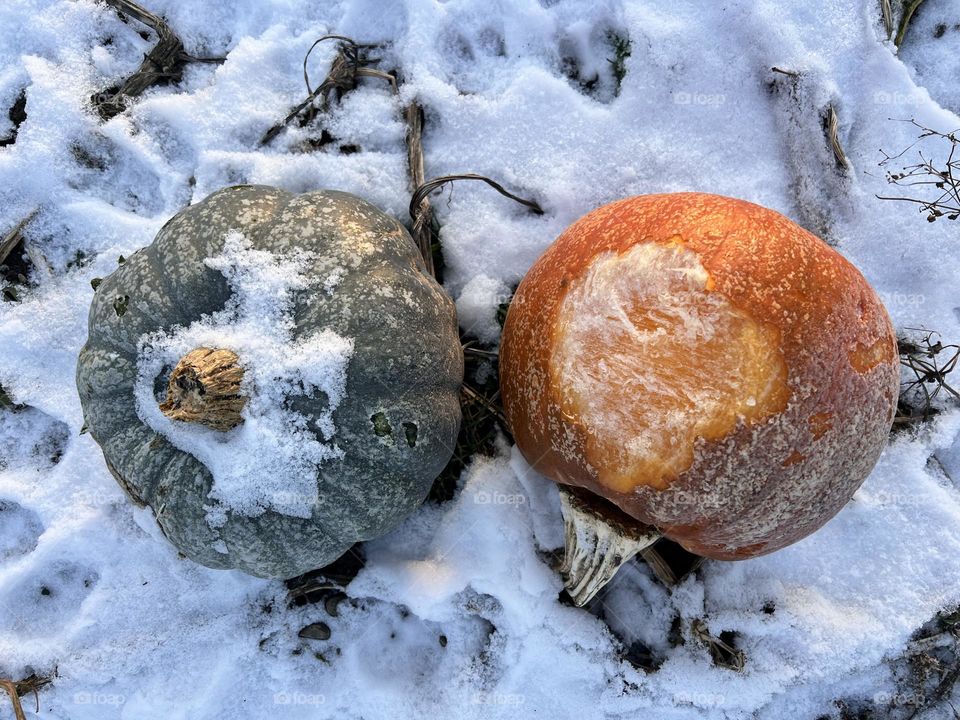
x: 407, y: 364
x: 763, y: 485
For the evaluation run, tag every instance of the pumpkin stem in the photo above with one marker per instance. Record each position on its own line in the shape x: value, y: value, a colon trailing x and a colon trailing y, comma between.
x: 596, y: 543
x: 205, y: 388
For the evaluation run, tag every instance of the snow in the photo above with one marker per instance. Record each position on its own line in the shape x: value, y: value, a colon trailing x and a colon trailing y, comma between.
x: 269, y: 461
x: 90, y: 589
x: 477, y: 307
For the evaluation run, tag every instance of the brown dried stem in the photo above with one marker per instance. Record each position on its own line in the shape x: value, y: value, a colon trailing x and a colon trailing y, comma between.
x: 205, y: 388
x: 348, y: 64
x: 788, y: 73
x: 832, y: 130
x: 723, y: 654
x: 468, y: 349
x: 430, y: 185
x: 421, y: 213
x: 909, y: 8
x: 11, y: 689
x: 488, y: 404
x: 164, y: 62
x: 423, y: 219
x: 14, y: 237
x: 924, y: 359
x: 22, y: 687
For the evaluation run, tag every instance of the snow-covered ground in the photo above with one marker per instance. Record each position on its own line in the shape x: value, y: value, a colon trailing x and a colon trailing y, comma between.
x: 90, y: 590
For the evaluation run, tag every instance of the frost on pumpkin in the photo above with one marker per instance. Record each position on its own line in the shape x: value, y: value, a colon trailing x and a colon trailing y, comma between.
x: 270, y: 461
x: 649, y: 358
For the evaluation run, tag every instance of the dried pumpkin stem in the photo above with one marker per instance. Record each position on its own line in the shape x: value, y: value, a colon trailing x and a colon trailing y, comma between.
x: 596, y: 544
x: 205, y: 388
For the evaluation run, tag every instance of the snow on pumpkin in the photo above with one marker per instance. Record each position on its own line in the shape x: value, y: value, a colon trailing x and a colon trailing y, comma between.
x: 270, y: 460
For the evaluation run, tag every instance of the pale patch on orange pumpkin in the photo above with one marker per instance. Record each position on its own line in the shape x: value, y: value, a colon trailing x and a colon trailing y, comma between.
x: 649, y: 360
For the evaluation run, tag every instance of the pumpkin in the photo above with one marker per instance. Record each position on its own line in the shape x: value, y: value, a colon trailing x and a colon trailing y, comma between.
x: 702, y: 366
x: 395, y: 425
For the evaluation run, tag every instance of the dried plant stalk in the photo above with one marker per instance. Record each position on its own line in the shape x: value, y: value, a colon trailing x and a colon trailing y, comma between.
x: 164, y: 62
x: 348, y: 64
x: 13, y: 238
x: 14, y: 698
x: 723, y: 654
x: 423, y: 216
x: 833, y: 129
x: 909, y: 8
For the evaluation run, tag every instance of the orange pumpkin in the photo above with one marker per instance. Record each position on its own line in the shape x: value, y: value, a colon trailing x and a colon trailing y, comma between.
x: 706, y: 365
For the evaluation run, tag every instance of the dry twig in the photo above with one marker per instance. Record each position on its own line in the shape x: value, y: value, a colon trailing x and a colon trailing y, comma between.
x: 350, y: 62
x: 943, y: 178
x: 929, y: 362
x: 14, y: 698
x: 14, y: 237
x: 722, y: 652
x: 909, y: 8
x: 22, y: 687
x: 832, y: 130
x: 423, y: 219
x: 163, y: 63
x: 887, y: 12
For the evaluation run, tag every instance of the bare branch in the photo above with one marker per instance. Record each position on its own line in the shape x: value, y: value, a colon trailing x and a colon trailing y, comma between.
x: 927, y: 173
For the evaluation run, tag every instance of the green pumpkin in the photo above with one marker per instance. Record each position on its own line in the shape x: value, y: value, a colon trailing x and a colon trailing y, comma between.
x: 396, y: 424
